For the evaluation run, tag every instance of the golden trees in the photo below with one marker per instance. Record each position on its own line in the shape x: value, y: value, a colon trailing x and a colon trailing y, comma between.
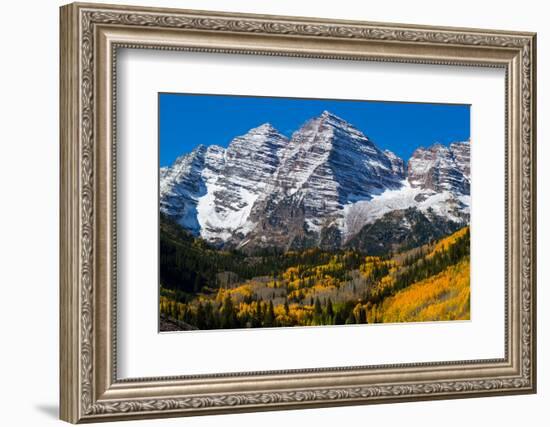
x: 445, y: 296
x: 316, y: 287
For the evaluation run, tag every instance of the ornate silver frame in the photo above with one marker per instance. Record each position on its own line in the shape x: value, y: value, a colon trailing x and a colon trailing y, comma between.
x: 90, y: 36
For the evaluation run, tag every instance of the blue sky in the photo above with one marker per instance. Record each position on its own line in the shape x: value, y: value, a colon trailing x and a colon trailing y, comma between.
x: 186, y: 121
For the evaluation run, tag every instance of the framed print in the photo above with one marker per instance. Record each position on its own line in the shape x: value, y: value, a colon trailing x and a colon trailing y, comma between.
x: 315, y: 228
x: 265, y: 212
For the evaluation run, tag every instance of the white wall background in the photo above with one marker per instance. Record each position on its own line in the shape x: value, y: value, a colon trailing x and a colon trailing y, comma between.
x: 29, y: 170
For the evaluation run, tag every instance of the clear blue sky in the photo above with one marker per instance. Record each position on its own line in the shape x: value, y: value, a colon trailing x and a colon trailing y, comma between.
x: 186, y: 121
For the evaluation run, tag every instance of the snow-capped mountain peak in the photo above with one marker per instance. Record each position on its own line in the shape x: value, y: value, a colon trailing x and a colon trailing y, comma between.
x: 328, y: 164
x: 320, y: 187
x: 213, y: 195
x: 264, y: 128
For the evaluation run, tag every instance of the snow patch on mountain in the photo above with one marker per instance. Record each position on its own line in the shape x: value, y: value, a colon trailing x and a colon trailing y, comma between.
x: 357, y: 214
x: 444, y: 204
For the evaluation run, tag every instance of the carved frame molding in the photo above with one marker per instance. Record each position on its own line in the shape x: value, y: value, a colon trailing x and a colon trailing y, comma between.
x: 90, y: 36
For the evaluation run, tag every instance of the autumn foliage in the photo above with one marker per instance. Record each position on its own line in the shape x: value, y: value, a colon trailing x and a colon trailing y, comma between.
x: 215, y: 289
x: 445, y: 296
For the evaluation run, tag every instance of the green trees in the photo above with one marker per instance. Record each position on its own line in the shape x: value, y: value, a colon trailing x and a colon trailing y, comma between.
x: 189, y: 264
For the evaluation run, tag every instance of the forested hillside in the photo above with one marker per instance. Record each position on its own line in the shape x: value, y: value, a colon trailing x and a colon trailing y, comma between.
x: 203, y: 287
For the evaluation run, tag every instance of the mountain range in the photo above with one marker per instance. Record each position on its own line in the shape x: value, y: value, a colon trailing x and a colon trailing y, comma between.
x: 326, y: 186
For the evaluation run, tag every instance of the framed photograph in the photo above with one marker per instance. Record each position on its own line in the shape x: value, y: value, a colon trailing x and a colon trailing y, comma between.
x: 316, y: 226
x: 266, y: 212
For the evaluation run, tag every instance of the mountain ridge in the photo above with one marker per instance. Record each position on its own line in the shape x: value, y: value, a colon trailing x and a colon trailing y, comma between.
x: 320, y: 187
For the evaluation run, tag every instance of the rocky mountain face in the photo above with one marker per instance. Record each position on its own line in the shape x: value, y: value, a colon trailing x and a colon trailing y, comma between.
x: 326, y: 186
x: 181, y: 186
x: 441, y: 168
x: 327, y: 164
x: 210, y: 191
x: 397, y: 163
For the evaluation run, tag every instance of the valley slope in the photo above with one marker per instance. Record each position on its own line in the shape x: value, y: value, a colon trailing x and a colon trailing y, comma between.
x: 206, y: 288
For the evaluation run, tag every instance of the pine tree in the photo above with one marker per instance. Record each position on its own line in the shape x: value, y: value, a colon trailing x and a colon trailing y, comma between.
x: 228, y: 317
x: 269, y: 318
x: 197, y: 284
x: 258, y: 316
x: 317, y: 308
x: 200, y: 317
x: 330, y: 310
